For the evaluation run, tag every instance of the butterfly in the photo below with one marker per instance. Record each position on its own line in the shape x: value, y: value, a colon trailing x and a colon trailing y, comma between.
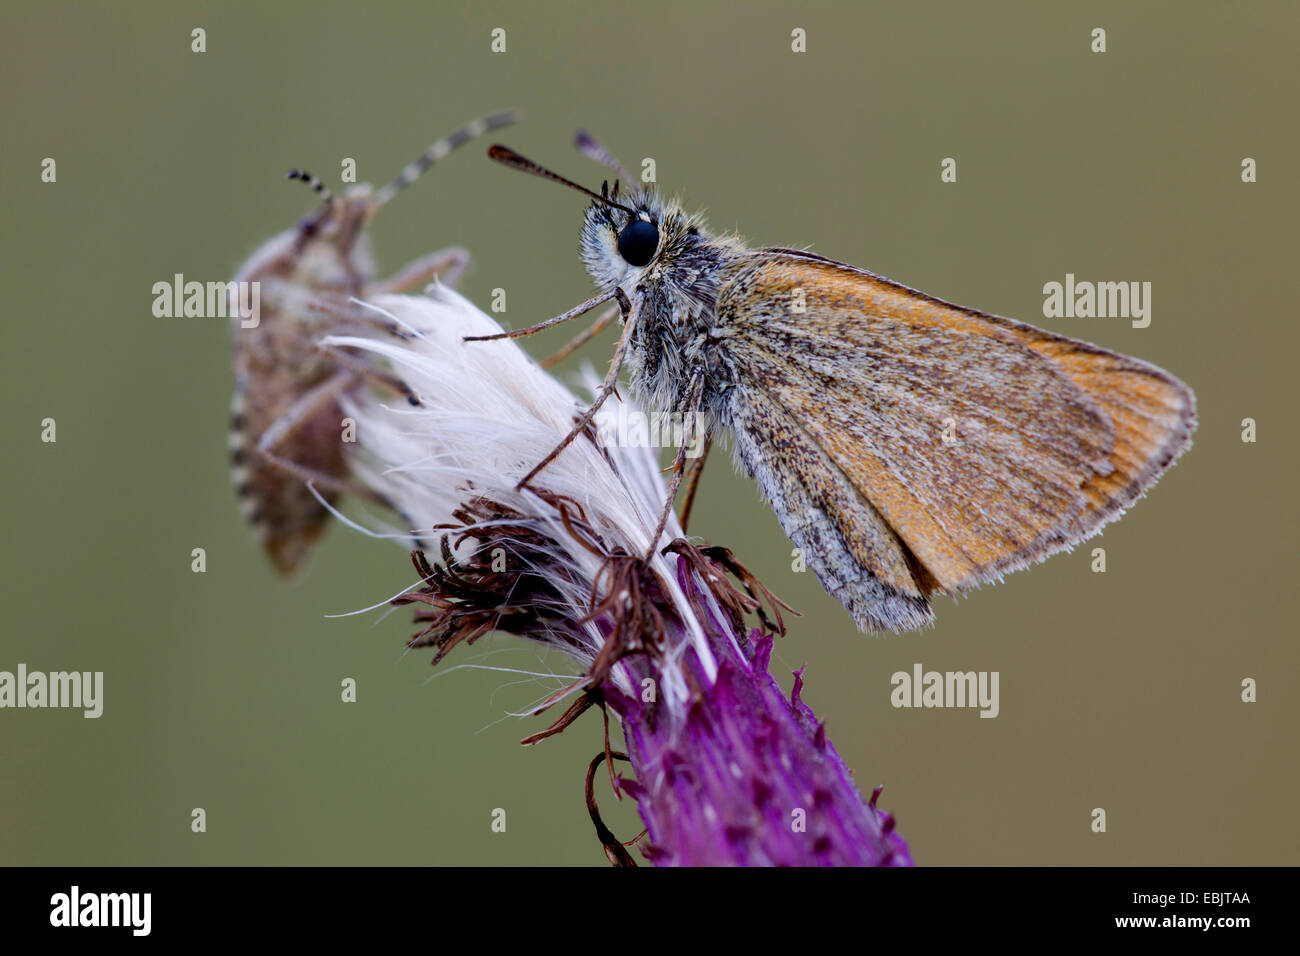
x: 909, y: 447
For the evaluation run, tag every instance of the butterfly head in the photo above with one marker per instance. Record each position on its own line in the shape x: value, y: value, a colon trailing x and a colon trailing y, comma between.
x: 624, y: 236
x: 621, y: 244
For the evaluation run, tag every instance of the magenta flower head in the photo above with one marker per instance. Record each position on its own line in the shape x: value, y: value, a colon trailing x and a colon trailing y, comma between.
x: 726, y: 769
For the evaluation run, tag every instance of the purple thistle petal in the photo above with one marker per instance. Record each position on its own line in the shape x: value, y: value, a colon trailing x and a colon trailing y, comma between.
x: 743, y: 776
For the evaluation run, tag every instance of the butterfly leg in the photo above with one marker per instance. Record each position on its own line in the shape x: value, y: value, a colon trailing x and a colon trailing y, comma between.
x: 630, y: 313
x: 679, y: 464
x: 571, y: 314
x: 582, y: 338
x: 306, y: 408
x: 445, y: 265
x: 697, y: 470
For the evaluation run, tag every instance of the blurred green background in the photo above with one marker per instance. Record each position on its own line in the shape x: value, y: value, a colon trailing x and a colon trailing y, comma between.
x: 1118, y: 690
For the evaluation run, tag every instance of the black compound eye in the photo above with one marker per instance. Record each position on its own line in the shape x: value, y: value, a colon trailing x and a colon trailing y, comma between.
x: 638, y: 241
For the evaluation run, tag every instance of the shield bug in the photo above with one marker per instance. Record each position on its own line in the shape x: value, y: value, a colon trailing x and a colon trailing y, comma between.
x: 286, y: 424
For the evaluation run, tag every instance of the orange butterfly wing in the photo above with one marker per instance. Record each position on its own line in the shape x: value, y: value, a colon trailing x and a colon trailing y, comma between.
x: 983, y: 443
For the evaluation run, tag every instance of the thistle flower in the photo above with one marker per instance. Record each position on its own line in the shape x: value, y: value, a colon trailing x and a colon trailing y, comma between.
x: 727, y: 770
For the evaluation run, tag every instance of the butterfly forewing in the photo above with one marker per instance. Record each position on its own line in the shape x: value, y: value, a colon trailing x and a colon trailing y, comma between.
x: 981, y: 443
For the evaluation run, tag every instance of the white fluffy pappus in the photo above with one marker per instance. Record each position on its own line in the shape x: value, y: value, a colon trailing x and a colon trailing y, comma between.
x: 488, y: 413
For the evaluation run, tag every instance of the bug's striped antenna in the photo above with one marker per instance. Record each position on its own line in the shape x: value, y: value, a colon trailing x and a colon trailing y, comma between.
x: 318, y: 187
x: 592, y: 148
x: 441, y: 148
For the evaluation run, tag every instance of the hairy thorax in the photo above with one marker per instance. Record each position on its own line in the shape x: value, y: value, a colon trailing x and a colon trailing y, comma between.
x: 677, y: 335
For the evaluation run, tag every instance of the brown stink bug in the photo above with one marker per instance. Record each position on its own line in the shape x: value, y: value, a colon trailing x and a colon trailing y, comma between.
x: 286, y: 426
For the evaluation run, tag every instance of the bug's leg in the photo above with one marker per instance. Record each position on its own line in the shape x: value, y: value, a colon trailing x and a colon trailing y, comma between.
x: 299, y: 413
x: 606, y: 389
x: 363, y: 370
x: 697, y: 469
x: 678, y: 466
x: 615, y: 851
x: 446, y: 265
x: 356, y: 315
x: 582, y: 338
x: 330, y: 311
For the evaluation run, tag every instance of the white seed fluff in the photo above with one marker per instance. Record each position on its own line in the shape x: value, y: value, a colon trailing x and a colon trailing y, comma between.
x: 488, y: 413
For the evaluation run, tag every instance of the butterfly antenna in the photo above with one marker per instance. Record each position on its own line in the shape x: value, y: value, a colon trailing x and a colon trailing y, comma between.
x: 590, y: 147
x: 441, y: 148
x: 508, y: 157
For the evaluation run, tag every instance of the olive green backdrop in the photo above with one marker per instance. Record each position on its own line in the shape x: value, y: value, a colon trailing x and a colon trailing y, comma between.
x: 1118, y: 690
